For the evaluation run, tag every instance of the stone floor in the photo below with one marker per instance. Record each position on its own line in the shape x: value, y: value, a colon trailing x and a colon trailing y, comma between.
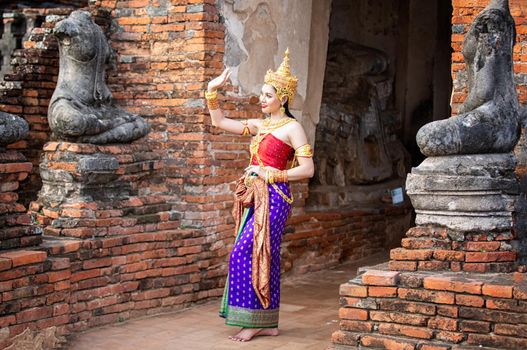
x: 308, y: 316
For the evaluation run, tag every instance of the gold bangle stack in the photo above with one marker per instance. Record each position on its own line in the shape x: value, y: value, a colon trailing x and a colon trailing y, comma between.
x: 212, y: 100
x: 280, y: 176
x: 272, y: 176
x: 269, y: 176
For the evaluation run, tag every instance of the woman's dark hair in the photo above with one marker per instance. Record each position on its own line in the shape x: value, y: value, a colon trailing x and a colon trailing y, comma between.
x: 286, y: 106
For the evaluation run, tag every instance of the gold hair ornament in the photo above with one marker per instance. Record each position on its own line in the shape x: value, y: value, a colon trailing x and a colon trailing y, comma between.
x: 282, y: 80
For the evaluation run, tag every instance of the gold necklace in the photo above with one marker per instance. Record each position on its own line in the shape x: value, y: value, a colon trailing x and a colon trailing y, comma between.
x: 269, y: 126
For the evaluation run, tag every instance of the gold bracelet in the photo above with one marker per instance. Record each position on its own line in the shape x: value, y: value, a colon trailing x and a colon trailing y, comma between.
x: 212, y: 100
x: 213, y: 104
x: 211, y: 95
x: 280, y: 176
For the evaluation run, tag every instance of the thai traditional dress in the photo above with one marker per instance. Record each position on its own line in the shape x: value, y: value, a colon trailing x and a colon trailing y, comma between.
x: 252, y: 293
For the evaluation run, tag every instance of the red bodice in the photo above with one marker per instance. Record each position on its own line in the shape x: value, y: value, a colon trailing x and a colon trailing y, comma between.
x: 274, y: 152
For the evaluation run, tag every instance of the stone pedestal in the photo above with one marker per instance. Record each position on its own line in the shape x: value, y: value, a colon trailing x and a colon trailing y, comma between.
x: 95, y: 191
x: 465, y: 207
x: 466, y: 193
x: 16, y: 226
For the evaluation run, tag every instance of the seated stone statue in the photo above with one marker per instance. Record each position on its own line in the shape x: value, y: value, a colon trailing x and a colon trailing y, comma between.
x: 12, y: 128
x: 488, y: 120
x: 81, y: 108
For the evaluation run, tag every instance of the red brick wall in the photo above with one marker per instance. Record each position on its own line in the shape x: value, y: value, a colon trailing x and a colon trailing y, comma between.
x: 393, y: 310
x: 166, y: 52
x: 464, y: 12
x: 27, y: 90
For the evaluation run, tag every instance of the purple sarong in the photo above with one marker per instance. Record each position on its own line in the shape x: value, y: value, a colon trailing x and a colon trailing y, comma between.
x: 240, y: 305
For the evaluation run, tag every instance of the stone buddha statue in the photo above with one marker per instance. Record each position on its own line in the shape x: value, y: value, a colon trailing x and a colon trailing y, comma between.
x: 81, y: 108
x: 488, y: 120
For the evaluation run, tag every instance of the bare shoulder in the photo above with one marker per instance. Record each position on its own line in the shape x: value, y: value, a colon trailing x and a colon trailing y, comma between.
x: 296, y: 127
x: 297, y: 135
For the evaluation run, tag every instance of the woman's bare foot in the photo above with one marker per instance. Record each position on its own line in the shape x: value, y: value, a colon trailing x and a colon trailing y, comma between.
x: 247, y: 334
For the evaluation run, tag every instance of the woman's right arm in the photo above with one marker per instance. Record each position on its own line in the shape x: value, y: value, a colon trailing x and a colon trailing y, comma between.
x: 216, y: 114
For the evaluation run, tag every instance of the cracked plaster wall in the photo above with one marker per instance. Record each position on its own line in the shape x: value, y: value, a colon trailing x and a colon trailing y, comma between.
x: 257, y: 35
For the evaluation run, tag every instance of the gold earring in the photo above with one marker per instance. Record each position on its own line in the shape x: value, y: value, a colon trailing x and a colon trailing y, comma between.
x: 282, y: 110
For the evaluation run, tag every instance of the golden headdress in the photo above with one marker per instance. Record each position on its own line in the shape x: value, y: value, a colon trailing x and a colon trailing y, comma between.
x: 284, y: 83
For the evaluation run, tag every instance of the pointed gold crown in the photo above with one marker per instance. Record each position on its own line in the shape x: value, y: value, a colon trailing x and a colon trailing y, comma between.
x: 284, y: 83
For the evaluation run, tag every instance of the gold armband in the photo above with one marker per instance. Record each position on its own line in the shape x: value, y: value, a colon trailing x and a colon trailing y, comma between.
x: 212, y: 99
x: 246, y: 130
x: 304, y: 151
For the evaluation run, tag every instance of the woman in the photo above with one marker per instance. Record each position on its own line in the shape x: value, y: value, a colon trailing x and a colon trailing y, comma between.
x: 262, y: 202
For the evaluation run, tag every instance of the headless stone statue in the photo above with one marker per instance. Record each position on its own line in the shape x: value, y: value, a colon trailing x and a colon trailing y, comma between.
x: 81, y: 108
x: 356, y: 91
x: 488, y: 120
x: 12, y: 128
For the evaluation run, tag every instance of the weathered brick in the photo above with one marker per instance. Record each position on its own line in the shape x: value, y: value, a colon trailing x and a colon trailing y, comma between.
x: 451, y: 337
x: 407, y: 306
x: 474, y: 326
x: 448, y: 311
x: 497, y: 341
x: 498, y: 291
x: 444, y: 323
x: 492, y: 315
x: 409, y: 331
x: 409, y: 254
x: 353, y: 314
x: 402, y: 265
x: 424, y: 243
x: 469, y: 300
x: 482, y: 246
x: 353, y: 290
x: 356, y: 326
x: 434, y: 347
x: 387, y: 342
x: 34, y: 314
x: 460, y: 285
x: 382, y: 292
x: 489, y: 256
x: 520, y: 292
x: 399, y: 317
x: 426, y: 295
x: 345, y: 338
x: 502, y: 304
x: 380, y: 278
x: 362, y: 303
x: 449, y: 255
x: 510, y: 329
x: 433, y: 265
x: 24, y: 257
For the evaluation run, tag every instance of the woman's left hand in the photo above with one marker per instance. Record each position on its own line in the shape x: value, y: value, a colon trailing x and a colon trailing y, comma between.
x: 256, y: 169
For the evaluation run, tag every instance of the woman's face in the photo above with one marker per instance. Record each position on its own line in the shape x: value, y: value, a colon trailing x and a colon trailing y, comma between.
x: 268, y: 99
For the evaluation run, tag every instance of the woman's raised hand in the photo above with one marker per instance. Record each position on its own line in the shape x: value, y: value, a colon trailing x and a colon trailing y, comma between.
x: 220, y: 80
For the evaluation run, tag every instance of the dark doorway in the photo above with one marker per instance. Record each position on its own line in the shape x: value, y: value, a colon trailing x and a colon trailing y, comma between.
x: 387, y: 74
